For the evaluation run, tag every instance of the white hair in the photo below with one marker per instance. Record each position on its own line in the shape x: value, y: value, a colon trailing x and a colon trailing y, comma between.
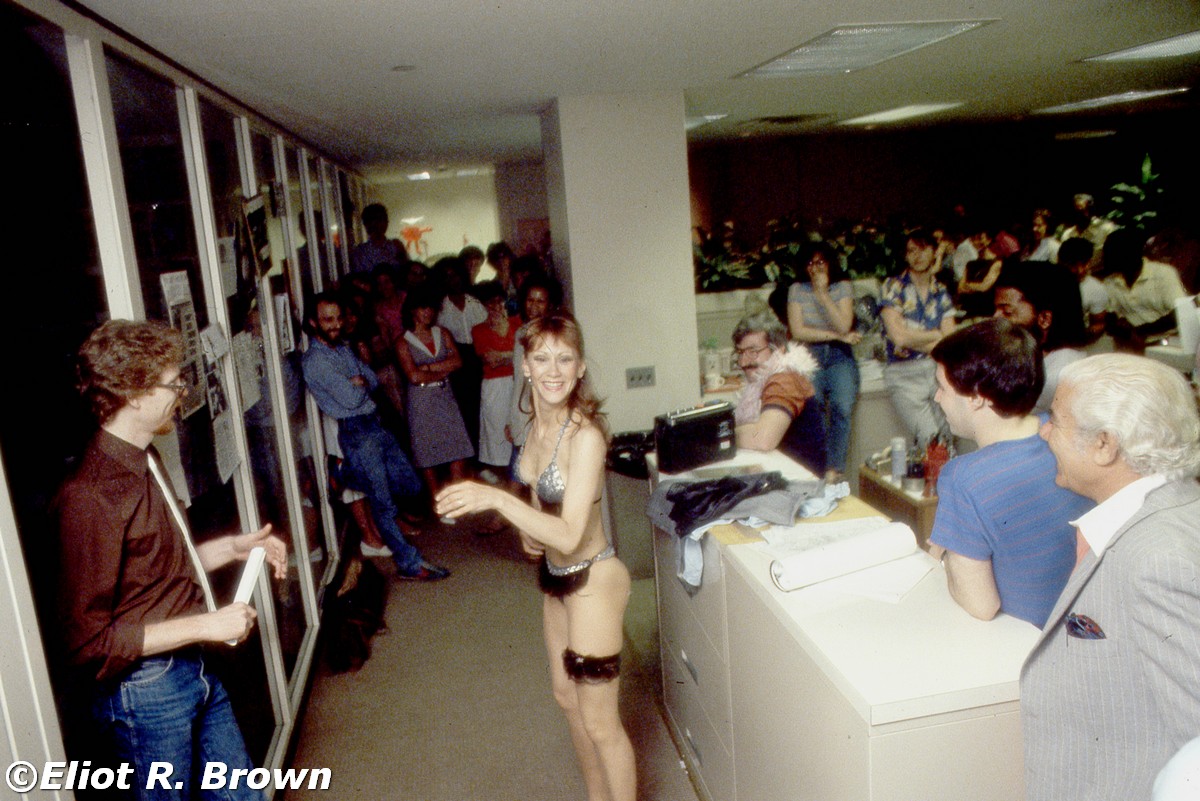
x: 1146, y: 406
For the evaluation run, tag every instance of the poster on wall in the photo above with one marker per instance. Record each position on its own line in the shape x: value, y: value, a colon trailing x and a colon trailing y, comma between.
x: 249, y: 366
x: 283, y: 321
x: 216, y: 347
x: 227, y: 258
x: 255, y: 213
x: 181, y: 314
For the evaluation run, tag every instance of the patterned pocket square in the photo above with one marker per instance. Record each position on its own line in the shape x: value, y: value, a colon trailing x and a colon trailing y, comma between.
x: 1083, y: 627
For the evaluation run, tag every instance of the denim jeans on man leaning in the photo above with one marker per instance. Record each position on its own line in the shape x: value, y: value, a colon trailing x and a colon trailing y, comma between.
x: 171, y: 710
x: 381, y: 470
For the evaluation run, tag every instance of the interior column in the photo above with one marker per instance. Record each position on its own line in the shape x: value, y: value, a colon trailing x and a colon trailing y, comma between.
x: 617, y: 188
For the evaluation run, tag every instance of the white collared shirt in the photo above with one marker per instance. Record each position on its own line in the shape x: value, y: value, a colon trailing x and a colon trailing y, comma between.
x: 459, y: 322
x: 1099, y: 525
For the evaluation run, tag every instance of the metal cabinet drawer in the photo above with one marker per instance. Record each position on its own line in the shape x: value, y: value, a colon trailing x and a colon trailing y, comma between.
x: 705, y: 669
x: 704, y: 748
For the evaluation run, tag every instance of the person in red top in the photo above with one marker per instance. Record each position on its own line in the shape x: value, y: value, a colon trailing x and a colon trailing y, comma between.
x: 773, y: 409
x: 493, y: 340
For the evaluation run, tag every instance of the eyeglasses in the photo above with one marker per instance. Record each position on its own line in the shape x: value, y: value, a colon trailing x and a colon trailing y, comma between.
x: 740, y: 352
x: 180, y: 388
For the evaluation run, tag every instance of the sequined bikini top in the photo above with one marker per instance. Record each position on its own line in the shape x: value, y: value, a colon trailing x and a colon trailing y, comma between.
x: 550, y: 486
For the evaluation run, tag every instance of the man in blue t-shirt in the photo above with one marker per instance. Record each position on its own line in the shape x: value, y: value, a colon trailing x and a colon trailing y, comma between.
x: 1003, y: 526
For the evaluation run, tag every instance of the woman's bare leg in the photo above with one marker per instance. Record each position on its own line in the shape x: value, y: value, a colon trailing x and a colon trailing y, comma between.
x: 565, y: 693
x: 595, y: 616
x: 602, y: 723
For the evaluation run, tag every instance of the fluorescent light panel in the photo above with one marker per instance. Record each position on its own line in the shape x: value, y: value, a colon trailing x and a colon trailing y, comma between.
x: 901, y: 113
x: 1183, y: 45
x: 852, y: 47
x: 691, y: 123
x: 1109, y: 100
x: 1066, y: 136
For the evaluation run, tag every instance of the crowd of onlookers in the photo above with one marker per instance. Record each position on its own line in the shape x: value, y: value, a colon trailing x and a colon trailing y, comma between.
x: 1075, y: 511
x: 442, y: 340
x: 1081, y: 285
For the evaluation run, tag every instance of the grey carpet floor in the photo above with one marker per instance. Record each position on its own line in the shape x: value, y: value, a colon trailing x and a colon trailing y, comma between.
x: 454, y: 703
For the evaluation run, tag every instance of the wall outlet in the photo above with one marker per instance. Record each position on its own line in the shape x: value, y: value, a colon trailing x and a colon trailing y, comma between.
x: 637, y: 377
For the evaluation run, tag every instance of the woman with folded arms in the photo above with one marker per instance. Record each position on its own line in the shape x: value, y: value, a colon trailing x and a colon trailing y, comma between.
x: 428, y: 357
x: 821, y: 315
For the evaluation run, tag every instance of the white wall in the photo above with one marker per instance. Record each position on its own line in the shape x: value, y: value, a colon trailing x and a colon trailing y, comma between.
x: 617, y: 178
x: 461, y: 211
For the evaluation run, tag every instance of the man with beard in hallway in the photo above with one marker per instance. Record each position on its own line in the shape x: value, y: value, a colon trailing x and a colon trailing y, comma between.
x: 342, y: 383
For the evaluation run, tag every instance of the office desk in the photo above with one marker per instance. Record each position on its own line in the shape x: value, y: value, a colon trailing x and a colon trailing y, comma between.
x: 893, y: 502
x: 815, y: 695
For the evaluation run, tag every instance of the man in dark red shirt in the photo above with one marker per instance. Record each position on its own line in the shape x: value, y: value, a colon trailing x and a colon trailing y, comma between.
x: 134, y: 601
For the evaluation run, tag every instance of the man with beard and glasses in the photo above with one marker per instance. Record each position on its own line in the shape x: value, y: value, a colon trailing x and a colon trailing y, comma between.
x: 776, y: 409
x: 341, y: 383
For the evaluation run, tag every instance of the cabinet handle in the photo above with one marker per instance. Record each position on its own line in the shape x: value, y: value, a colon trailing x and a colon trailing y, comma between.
x: 687, y: 736
x: 691, y: 669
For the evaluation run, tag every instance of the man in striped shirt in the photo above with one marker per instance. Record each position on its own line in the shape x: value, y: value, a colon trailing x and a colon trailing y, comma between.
x: 1002, y: 525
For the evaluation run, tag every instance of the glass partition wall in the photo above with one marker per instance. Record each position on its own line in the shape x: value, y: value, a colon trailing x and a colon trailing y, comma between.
x: 55, y: 296
x: 136, y: 187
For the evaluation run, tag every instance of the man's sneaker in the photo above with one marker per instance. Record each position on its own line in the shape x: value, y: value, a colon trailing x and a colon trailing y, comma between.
x: 427, y: 571
x: 371, y: 551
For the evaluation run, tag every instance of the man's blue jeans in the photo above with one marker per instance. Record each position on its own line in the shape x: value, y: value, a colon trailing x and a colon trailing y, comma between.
x: 380, y: 469
x: 170, y: 710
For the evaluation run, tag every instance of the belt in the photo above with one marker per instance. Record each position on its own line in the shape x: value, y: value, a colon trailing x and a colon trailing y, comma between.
x: 440, y: 383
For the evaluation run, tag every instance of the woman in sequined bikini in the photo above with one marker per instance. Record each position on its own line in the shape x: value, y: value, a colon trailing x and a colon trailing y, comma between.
x: 586, y: 587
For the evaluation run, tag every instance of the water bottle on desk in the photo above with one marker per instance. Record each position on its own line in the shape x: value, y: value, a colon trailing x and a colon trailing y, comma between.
x: 899, y: 460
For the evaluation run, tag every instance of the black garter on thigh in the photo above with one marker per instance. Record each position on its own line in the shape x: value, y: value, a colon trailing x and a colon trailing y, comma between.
x: 591, y: 669
x: 560, y: 586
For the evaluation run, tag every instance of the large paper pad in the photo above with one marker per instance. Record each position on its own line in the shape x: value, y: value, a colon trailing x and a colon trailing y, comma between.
x: 819, y: 552
x: 249, y: 580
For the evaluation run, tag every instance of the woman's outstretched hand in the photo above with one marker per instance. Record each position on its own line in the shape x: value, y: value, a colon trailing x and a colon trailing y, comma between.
x: 467, y: 498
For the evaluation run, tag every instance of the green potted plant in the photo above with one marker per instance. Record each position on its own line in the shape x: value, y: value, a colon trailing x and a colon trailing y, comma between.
x: 1136, y: 205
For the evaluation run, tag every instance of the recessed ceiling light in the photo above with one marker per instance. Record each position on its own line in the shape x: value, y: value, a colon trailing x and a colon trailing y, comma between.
x: 851, y: 47
x: 419, y: 176
x: 1109, y: 100
x: 901, y: 113
x: 1183, y: 45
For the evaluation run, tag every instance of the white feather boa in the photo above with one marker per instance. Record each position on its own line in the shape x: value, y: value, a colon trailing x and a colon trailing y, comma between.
x: 794, y: 358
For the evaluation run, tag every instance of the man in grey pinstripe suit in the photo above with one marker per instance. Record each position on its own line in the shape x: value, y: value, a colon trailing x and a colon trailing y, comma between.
x: 1112, y: 689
